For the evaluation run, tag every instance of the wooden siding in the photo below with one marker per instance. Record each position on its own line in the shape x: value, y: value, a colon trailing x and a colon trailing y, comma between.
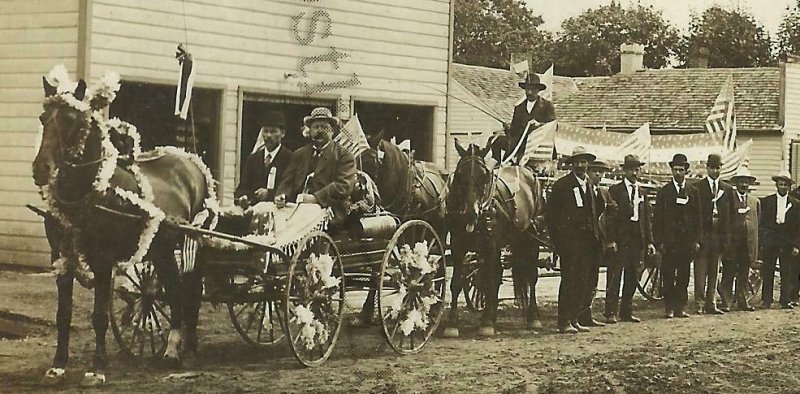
x: 791, y: 110
x: 765, y: 159
x: 467, y: 123
x: 35, y: 35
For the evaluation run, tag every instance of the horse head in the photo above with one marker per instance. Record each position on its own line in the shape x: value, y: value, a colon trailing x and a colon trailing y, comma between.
x: 372, y: 158
x: 471, y: 184
x: 65, y: 126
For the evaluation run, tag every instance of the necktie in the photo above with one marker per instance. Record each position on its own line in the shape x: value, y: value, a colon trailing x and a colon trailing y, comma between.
x: 315, y: 158
x: 633, y: 195
x: 267, y: 160
x: 714, y: 189
x: 681, y: 191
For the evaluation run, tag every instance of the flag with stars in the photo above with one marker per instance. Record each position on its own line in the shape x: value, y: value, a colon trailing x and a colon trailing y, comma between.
x: 351, y: 137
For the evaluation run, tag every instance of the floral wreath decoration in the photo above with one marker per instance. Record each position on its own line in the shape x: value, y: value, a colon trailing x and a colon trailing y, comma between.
x: 415, y: 276
x: 318, y: 289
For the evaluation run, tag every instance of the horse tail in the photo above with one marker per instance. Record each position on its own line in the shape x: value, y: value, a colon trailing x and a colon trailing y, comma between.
x: 519, y: 279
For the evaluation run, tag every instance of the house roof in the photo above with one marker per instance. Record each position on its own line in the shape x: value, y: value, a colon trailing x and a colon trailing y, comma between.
x: 498, y: 89
x: 674, y: 99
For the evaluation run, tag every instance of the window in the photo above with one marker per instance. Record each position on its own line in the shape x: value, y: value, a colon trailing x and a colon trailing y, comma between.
x: 403, y: 122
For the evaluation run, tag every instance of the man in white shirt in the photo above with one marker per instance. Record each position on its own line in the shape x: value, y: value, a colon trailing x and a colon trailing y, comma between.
x: 778, y: 232
x: 263, y: 169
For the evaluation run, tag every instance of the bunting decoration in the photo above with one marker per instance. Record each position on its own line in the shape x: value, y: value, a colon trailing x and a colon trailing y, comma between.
x: 186, y: 75
x: 351, y: 137
x: 722, y: 119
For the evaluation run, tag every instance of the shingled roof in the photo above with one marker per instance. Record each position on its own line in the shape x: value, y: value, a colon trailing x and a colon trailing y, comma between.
x: 674, y: 99
x: 498, y: 89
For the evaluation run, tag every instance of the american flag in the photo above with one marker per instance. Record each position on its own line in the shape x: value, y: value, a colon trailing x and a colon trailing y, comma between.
x: 539, y: 143
x: 638, y: 143
x: 352, y: 137
x: 604, y: 145
x: 722, y: 119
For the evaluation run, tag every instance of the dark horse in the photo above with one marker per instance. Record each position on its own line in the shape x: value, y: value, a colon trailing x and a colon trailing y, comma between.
x: 408, y: 188
x: 487, y: 210
x: 104, y: 227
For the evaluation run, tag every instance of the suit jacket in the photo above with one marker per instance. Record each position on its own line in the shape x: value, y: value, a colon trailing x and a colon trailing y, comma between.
x: 333, y: 180
x: 774, y: 237
x: 254, y: 173
x: 740, y: 226
x: 676, y: 225
x: 566, y: 221
x: 543, y: 111
x: 625, y: 232
x: 606, y: 208
x: 707, y: 205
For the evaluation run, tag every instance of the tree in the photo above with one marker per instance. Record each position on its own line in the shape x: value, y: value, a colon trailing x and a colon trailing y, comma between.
x: 589, y: 43
x: 732, y: 38
x: 789, y: 32
x: 487, y: 32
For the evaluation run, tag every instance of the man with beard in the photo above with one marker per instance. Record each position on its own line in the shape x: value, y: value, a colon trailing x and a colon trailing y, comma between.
x: 534, y: 111
x: 676, y: 231
x: 632, y: 235
x: 321, y: 172
x: 572, y: 222
x: 706, y: 265
x: 778, y: 228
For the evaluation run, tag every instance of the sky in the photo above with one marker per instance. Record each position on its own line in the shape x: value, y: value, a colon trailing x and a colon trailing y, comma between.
x: 678, y: 12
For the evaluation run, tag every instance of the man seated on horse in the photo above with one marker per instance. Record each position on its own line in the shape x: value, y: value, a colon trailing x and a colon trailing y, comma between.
x: 266, y: 165
x: 321, y: 172
x: 534, y: 111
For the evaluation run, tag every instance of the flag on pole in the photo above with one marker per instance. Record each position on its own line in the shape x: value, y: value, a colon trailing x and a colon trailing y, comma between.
x: 186, y: 72
x: 539, y: 143
x: 733, y: 158
x: 638, y: 143
x: 351, y: 137
x: 547, y: 79
x: 722, y: 121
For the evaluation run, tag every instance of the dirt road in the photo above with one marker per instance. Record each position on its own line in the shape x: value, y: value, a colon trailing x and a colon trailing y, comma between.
x: 739, y: 352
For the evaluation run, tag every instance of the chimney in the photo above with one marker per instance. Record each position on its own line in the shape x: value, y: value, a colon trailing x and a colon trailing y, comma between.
x: 698, y: 58
x: 631, y: 58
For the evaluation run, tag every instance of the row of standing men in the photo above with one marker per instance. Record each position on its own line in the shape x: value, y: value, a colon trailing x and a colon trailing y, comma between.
x: 709, y: 222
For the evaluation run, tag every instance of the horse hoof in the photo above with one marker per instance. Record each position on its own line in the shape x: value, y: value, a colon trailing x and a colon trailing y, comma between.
x: 171, y: 362
x: 54, y: 376
x: 535, y: 325
x: 93, y: 379
x: 359, y: 322
x: 189, y: 360
x: 486, y: 331
x: 450, y: 332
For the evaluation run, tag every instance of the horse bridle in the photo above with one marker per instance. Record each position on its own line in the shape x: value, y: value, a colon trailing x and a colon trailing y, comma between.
x: 488, y: 187
x: 63, y: 151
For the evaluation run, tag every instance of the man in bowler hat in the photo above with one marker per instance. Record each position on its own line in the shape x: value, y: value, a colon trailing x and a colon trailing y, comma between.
x: 632, y: 235
x: 572, y: 222
x: 534, y: 110
x: 263, y: 169
x: 778, y: 240
x: 706, y: 265
x: 676, y: 232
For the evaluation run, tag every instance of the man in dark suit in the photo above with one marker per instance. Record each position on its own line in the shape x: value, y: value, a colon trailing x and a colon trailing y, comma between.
x: 739, y: 215
x: 676, y: 232
x: 264, y: 167
x: 632, y: 236
x: 778, y: 233
x: 321, y: 172
x: 572, y: 222
x: 605, y: 208
x: 706, y: 265
x: 534, y: 110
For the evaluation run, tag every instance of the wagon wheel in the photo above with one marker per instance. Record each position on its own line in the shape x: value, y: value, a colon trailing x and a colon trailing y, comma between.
x: 256, y: 315
x: 314, y: 299
x: 650, y: 283
x: 754, y: 280
x: 412, y: 287
x: 139, y: 315
x: 473, y: 294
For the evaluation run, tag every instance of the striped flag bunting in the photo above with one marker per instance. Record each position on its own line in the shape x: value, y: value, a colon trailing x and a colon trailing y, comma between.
x: 351, y: 137
x: 186, y: 73
x: 722, y: 118
x: 538, y: 144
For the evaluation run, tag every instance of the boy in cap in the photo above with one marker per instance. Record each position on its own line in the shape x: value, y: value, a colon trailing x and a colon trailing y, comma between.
x: 632, y: 236
x: 778, y: 232
x: 676, y: 232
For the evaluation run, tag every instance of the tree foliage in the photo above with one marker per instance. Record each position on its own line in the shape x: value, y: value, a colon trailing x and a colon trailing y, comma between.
x: 487, y: 32
x: 732, y: 37
x: 589, y: 43
x: 789, y: 32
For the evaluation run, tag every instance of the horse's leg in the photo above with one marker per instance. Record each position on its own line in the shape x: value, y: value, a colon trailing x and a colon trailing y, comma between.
x: 102, y: 297
x: 167, y: 269
x: 191, y: 296
x: 533, y: 278
x: 364, y: 318
x: 63, y: 323
x: 457, y: 256
x: 492, y: 277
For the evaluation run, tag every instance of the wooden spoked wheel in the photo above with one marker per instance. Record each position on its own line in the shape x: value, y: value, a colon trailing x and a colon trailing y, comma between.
x: 412, y: 286
x: 650, y: 283
x: 473, y: 294
x: 314, y: 299
x: 257, y: 312
x: 139, y: 315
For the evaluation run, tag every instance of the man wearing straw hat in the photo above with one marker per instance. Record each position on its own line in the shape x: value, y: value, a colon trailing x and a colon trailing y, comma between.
x: 739, y: 215
x: 676, y: 232
x: 572, y: 222
x: 706, y: 266
x: 534, y: 110
x: 778, y: 239
x: 321, y: 172
x: 633, y: 237
x: 605, y: 208
x: 264, y: 167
